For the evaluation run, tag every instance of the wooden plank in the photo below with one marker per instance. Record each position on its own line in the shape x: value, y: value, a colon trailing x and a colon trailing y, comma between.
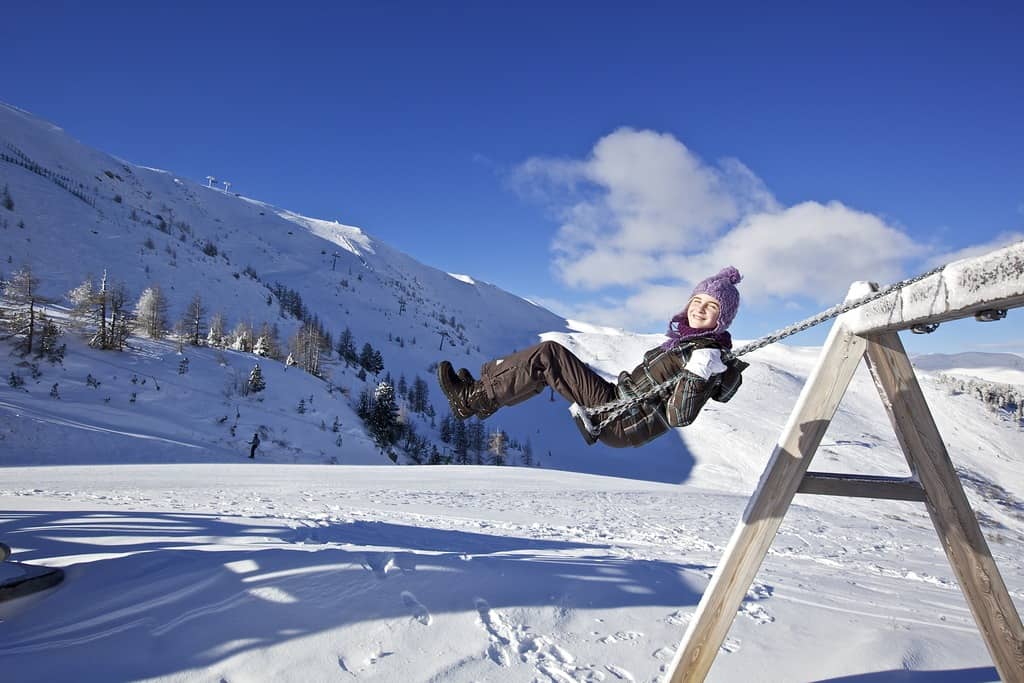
x: 782, y: 476
x: 951, y: 513
x: 862, y: 486
x: 961, y: 289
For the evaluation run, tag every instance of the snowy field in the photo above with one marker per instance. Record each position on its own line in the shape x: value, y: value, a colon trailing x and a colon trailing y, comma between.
x: 318, y: 573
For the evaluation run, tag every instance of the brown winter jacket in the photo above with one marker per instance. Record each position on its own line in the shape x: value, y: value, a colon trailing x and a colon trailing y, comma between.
x: 679, y: 409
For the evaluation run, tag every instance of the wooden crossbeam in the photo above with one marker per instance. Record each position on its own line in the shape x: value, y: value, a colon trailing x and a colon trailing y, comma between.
x: 961, y: 289
x: 862, y: 486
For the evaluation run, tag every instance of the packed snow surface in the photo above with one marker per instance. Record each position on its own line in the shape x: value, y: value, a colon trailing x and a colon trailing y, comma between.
x: 316, y: 573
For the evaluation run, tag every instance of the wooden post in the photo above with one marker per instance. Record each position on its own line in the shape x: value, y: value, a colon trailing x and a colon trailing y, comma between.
x: 947, y: 504
x: 782, y: 477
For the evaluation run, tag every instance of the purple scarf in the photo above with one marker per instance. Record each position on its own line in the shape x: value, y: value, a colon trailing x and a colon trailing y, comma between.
x: 679, y: 332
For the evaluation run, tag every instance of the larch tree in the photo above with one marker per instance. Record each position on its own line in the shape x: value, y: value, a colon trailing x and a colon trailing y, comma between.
x: 498, y: 447
x: 151, y: 312
x: 21, y: 294
x: 215, y: 337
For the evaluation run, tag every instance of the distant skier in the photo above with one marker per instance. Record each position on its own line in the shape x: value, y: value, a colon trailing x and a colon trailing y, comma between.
x: 254, y: 443
x: 696, y: 352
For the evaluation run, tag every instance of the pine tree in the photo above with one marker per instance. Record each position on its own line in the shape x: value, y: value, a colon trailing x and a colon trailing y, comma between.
x: 419, y: 395
x: 476, y: 435
x: 366, y: 357
x: 195, y: 314
x: 256, y: 382
x: 446, y: 429
x: 383, y: 421
x: 527, y: 457
x: 347, y: 348
x: 260, y: 348
x: 460, y: 444
x: 49, y: 338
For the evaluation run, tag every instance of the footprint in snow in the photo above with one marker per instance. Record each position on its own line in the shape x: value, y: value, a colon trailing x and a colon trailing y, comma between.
x: 679, y: 618
x: 619, y: 672
x: 664, y: 653
x: 730, y: 645
x: 380, y: 564
x: 756, y: 612
x: 419, y: 612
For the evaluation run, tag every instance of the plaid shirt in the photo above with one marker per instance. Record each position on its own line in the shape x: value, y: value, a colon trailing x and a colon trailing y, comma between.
x: 679, y: 409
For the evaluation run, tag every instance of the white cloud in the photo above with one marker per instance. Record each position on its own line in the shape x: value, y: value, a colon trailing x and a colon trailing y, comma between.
x: 810, y: 250
x: 644, y: 213
x: 638, y: 194
x: 1002, y: 240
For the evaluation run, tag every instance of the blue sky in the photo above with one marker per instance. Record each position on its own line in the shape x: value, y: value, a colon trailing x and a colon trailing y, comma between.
x: 595, y: 157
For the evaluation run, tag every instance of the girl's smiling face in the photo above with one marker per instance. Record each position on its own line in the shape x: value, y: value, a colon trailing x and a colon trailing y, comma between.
x: 702, y: 312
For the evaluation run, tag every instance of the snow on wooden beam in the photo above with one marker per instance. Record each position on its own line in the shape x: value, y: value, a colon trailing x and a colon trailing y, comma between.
x: 961, y: 289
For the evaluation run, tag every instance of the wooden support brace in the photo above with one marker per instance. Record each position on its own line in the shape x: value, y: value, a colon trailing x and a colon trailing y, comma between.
x: 947, y: 504
x: 862, y: 486
x: 779, y: 483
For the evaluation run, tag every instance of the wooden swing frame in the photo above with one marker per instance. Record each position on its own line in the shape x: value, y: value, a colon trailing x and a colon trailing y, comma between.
x: 961, y: 289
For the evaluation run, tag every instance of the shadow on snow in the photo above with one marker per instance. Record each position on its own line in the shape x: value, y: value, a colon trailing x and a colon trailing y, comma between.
x: 162, y: 593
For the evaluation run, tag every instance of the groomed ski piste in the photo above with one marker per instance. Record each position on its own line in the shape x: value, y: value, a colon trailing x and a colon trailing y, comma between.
x: 322, y: 560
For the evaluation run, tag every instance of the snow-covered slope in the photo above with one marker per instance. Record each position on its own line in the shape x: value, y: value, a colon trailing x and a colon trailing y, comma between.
x: 187, y: 562
x: 1003, y: 368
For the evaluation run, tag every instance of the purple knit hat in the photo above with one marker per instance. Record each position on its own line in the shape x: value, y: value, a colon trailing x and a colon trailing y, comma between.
x: 723, y: 288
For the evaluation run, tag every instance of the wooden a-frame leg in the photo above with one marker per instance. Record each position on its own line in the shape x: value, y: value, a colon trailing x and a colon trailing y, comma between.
x: 782, y: 476
x: 947, y: 504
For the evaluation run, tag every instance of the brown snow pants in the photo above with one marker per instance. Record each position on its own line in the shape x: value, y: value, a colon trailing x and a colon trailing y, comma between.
x: 524, y: 374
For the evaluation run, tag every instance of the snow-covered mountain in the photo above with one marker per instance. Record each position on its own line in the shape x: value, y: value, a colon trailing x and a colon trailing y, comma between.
x: 302, y: 567
x: 1004, y: 368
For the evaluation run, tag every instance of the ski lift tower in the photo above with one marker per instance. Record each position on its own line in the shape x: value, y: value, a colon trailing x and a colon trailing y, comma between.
x: 210, y: 180
x: 227, y: 185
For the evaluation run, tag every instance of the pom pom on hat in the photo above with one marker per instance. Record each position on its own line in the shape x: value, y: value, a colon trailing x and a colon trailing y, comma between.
x: 731, y: 274
x: 723, y: 287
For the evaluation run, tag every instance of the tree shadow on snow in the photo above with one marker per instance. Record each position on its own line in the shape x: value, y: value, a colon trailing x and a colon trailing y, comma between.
x: 155, y: 594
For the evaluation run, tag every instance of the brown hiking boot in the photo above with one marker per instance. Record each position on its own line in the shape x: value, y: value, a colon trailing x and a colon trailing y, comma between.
x: 466, y: 396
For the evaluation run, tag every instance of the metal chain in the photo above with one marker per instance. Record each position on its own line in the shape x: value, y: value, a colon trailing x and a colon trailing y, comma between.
x: 833, y: 312
x: 619, y: 407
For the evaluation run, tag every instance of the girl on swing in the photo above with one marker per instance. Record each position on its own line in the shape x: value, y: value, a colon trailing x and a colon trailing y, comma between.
x: 696, y: 353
